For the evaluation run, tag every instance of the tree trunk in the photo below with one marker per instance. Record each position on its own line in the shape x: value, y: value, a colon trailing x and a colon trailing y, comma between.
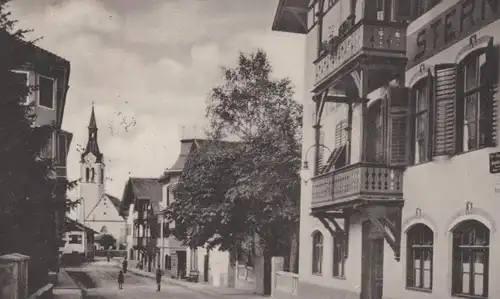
x: 294, y: 251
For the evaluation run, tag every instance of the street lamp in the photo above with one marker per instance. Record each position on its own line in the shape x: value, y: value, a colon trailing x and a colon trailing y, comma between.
x: 305, y: 172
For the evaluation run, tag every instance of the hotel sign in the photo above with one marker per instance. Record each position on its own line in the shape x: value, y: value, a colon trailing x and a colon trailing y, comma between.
x: 454, y: 24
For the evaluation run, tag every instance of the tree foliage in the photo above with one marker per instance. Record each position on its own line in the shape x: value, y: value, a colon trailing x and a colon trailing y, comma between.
x: 230, y: 192
x: 31, y: 201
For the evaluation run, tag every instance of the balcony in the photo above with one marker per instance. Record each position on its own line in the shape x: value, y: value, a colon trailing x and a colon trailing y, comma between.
x: 376, y: 40
x: 357, y: 183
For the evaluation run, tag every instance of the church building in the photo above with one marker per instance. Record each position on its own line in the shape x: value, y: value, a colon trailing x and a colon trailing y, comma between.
x: 99, y: 211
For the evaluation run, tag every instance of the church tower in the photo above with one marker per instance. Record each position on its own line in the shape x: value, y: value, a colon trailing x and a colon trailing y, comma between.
x: 91, y: 173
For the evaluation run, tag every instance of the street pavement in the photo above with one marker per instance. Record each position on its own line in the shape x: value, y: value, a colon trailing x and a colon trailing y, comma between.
x: 99, y: 279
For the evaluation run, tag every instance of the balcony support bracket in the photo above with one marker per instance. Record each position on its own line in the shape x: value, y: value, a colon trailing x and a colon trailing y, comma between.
x: 327, y: 218
x: 390, y: 226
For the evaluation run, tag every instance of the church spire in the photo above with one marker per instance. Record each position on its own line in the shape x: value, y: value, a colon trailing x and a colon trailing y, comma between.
x: 92, y: 145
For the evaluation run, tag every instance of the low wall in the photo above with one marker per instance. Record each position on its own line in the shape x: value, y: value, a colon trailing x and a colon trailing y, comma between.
x: 284, y: 285
x: 114, y: 253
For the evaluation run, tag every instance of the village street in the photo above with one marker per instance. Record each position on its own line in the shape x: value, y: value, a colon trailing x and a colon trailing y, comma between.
x: 100, y: 281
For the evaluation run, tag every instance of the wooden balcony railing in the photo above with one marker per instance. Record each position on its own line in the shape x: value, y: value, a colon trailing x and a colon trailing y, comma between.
x: 373, y: 38
x: 358, y: 181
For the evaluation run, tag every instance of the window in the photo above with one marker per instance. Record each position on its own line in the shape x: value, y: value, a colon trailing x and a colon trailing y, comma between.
x: 421, y: 105
x: 475, y: 97
x: 470, y: 259
x: 75, y: 239
x: 22, y: 78
x: 312, y: 15
x: 339, y: 251
x: 48, y: 150
x: 194, y: 259
x: 46, y: 92
x: 375, y: 128
x: 419, y: 257
x: 62, y: 149
x: 317, y: 253
x: 87, y: 174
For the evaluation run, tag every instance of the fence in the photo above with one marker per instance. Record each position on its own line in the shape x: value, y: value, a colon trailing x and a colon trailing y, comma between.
x: 284, y: 285
x: 114, y: 253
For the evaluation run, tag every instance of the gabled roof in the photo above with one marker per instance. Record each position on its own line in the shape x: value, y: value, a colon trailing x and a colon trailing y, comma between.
x: 140, y: 189
x: 291, y: 16
x: 115, y: 201
x: 73, y: 225
x: 187, y: 147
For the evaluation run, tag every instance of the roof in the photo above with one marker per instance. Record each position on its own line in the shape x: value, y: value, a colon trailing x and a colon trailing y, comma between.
x: 92, y: 142
x: 72, y: 225
x: 140, y: 188
x: 115, y: 201
x: 187, y: 146
x: 291, y: 16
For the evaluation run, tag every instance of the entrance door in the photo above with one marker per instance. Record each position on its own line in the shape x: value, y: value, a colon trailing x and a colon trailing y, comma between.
x: 206, y: 265
x: 181, y: 263
x: 372, y: 276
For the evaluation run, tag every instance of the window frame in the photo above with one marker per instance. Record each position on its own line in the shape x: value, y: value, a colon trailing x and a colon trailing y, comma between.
x: 418, y: 231
x: 479, y: 89
x: 457, y: 269
x: 27, y: 73
x: 422, y: 85
x: 376, y: 144
x: 317, y: 253
x: 54, y: 92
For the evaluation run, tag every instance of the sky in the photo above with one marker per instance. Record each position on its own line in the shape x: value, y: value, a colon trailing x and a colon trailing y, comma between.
x: 148, y: 66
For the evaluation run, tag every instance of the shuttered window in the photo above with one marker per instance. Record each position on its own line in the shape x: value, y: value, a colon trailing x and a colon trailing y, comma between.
x: 445, y: 99
x: 375, y: 144
x: 398, y: 118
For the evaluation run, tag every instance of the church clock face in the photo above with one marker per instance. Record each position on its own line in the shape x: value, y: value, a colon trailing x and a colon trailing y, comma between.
x: 90, y: 158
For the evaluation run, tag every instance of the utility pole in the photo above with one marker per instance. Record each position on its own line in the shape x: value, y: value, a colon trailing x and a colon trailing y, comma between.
x: 162, y: 257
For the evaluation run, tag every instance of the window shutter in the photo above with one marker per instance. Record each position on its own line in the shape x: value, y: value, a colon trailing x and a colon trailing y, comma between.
x: 445, y: 107
x: 411, y: 129
x: 321, y: 150
x: 490, y: 88
x: 398, y: 118
x: 430, y: 114
x: 402, y: 10
x: 340, y: 134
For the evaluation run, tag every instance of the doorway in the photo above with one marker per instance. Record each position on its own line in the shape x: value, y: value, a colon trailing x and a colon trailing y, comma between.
x: 206, y: 265
x: 372, y: 274
x: 181, y: 263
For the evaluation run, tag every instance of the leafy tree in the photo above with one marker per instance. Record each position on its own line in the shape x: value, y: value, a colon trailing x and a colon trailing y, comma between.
x: 31, y: 201
x: 249, y: 189
x: 107, y: 241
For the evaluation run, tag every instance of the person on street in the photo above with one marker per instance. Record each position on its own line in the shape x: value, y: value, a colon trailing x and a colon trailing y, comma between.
x: 121, y: 279
x: 159, y: 274
x: 124, y: 265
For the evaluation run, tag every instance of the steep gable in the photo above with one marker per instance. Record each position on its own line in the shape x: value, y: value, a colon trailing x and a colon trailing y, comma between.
x: 106, y: 209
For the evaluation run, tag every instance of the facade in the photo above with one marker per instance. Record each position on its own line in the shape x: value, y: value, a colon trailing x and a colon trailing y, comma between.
x: 400, y: 138
x: 78, y: 239
x: 140, y: 206
x: 99, y: 211
x: 51, y: 74
x: 209, y: 266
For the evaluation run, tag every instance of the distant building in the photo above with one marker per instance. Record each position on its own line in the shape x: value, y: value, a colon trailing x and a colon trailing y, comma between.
x: 140, y: 206
x: 99, y: 211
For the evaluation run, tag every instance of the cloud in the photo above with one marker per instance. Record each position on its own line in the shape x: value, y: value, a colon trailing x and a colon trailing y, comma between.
x: 149, y: 70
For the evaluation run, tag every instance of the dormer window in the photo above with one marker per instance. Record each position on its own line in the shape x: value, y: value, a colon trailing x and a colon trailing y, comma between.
x: 47, y: 90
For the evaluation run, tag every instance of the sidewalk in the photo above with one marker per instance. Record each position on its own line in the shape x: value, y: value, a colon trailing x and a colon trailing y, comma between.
x: 66, y: 287
x: 214, y: 291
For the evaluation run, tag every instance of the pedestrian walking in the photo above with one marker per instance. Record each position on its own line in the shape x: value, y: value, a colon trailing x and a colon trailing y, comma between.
x: 121, y: 280
x: 159, y: 274
x: 125, y: 265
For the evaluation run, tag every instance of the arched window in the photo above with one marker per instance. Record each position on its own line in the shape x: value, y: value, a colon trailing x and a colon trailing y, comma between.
x: 317, y: 253
x: 93, y: 175
x: 474, y: 103
x: 87, y: 175
x: 419, y: 257
x: 471, y: 240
